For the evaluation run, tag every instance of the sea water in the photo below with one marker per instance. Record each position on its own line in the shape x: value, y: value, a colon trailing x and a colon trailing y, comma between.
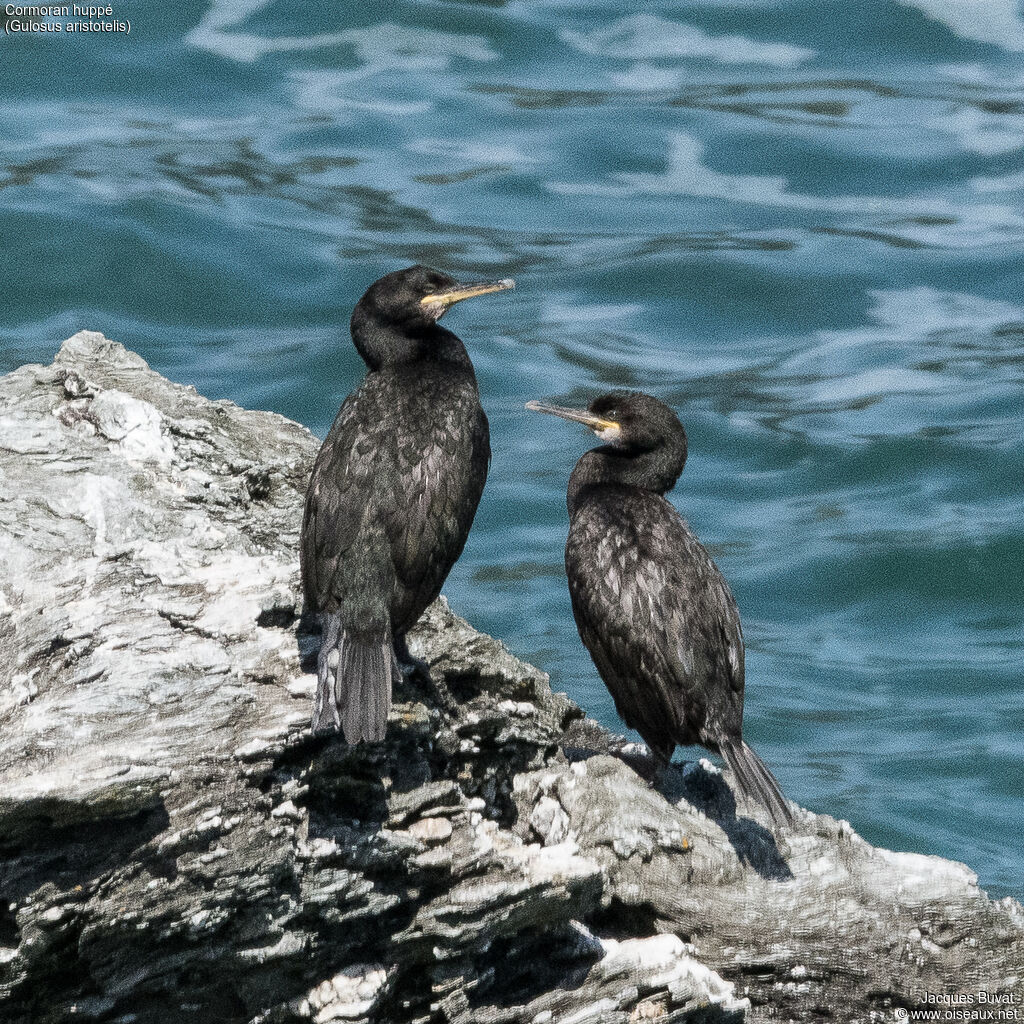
x: 800, y: 223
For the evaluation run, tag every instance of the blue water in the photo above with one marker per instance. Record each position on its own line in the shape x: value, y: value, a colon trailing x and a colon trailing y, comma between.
x: 800, y: 223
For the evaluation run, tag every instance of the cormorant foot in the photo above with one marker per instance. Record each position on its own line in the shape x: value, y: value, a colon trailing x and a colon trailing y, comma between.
x: 417, y: 671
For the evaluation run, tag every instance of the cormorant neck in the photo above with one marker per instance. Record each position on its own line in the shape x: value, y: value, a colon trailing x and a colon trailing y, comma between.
x: 383, y: 345
x: 655, y: 470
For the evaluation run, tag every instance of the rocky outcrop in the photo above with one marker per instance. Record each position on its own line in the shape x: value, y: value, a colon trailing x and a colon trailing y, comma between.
x: 175, y: 846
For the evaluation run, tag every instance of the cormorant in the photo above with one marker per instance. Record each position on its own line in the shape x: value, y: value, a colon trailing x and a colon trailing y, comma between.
x: 393, y: 493
x: 650, y: 604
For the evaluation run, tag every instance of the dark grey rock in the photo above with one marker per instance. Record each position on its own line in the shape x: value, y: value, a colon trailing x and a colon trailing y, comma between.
x: 175, y: 846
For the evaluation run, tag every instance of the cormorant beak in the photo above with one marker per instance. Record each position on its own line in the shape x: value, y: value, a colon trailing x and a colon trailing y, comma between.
x: 607, y: 430
x: 457, y: 292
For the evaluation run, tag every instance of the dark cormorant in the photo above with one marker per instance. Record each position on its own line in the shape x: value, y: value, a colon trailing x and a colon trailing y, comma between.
x: 393, y: 493
x: 650, y: 604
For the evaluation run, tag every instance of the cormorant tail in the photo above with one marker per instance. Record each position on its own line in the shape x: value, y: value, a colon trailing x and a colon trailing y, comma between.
x: 756, y: 782
x: 353, y: 683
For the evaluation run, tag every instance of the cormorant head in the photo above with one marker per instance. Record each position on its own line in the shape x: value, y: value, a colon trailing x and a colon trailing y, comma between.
x: 419, y: 296
x: 630, y: 420
x: 635, y: 426
x: 397, y: 313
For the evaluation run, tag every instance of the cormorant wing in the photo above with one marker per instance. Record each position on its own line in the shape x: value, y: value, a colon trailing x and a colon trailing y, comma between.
x: 702, y: 639
x: 440, y: 475
x: 658, y: 619
x: 352, y: 480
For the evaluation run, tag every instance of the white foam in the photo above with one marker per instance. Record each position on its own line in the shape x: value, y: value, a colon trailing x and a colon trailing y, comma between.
x: 326, y: 91
x: 998, y: 22
x: 644, y: 77
x: 394, y: 46
x: 918, y: 312
x: 979, y: 131
x: 377, y: 46
x: 475, y: 151
x: 900, y: 320
x: 926, y: 219
x: 882, y: 380
x: 687, y: 174
x: 382, y: 49
x: 648, y: 37
x: 212, y: 33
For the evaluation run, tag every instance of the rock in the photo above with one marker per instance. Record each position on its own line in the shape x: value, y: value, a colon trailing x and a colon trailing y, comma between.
x: 176, y: 846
